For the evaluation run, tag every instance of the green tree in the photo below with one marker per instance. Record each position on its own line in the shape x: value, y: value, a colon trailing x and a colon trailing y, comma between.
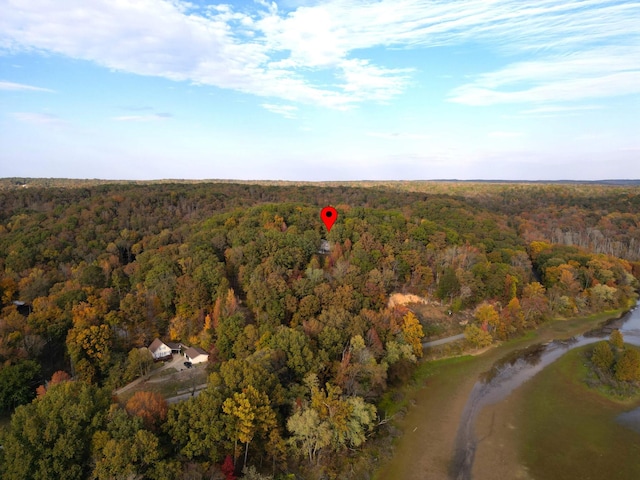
x: 138, y: 364
x: 126, y: 450
x: 257, y: 371
x: 295, y: 345
x: 349, y: 418
x: 93, y: 276
x: 250, y: 473
x: 196, y: 427
x: 449, y: 285
x: 18, y: 384
x: 602, y: 356
x: 310, y: 435
x: 227, y: 331
x: 51, y: 437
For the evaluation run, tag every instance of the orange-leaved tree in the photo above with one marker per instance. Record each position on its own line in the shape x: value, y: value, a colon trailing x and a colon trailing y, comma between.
x: 150, y: 406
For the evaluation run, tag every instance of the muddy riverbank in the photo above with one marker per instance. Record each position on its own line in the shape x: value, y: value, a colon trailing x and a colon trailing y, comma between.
x: 425, y: 451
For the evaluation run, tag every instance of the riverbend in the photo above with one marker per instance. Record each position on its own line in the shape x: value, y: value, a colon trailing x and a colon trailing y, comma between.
x: 440, y: 439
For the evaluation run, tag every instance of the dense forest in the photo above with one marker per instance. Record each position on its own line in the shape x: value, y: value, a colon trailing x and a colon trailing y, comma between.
x: 302, y: 341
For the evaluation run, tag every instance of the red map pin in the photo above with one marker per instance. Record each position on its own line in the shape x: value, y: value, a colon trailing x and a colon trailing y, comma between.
x: 329, y: 215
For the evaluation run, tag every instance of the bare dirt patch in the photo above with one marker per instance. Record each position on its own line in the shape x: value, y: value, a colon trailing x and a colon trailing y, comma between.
x: 497, y: 453
x: 402, y: 299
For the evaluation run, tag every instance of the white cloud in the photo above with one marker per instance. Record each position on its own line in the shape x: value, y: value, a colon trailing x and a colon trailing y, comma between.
x: 504, y: 134
x: 559, y: 109
x: 21, y: 87
x: 599, y: 72
x: 271, y: 52
x: 39, y: 118
x: 143, y: 118
x: 399, y: 135
x: 287, y: 111
x: 547, y: 111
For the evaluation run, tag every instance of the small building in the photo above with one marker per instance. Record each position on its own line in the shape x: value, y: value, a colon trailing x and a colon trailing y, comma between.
x: 23, y: 308
x: 196, y: 355
x: 175, y: 347
x: 159, y: 350
x: 325, y: 247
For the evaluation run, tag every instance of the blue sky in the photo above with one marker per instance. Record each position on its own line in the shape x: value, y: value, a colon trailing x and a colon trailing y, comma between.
x: 320, y: 90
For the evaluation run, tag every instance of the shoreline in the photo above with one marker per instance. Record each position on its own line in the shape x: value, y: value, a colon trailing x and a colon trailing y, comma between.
x: 426, y: 446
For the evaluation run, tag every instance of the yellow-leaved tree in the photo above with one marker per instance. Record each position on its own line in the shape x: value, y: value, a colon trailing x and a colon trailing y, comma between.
x: 413, y: 333
x: 250, y: 413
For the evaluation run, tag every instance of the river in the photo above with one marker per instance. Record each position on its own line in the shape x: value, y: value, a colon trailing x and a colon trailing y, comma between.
x: 512, y: 371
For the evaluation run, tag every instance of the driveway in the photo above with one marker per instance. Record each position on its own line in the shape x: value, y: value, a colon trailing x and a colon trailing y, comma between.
x: 442, y: 341
x: 176, y: 362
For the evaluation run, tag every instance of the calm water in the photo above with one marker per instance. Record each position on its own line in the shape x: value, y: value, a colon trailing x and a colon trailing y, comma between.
x: 511, y: 372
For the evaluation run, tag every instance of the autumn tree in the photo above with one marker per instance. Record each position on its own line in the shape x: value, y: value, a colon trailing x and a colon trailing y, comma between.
x: 616, y: 339
x: 330, y: 420
x: 478, y: 337
x: 151, y: 407
x: 90, y: 350
x: 359, y: 373
x: 413, y: 333
x: 535, y: 304
x: 511, y: 319
x: 124, y: 449
x: 228, y: 469
x: 627, y: 368
x: 249, y: 413
x: 487, y: 316
x: 57, y: 377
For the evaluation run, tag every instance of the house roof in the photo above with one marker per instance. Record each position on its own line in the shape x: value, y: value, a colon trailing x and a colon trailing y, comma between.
x: 193, y: 352
x: 155, y: 345
x: 173, y: 345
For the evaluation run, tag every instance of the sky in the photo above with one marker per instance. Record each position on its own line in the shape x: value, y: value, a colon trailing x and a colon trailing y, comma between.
x: 320, y: 90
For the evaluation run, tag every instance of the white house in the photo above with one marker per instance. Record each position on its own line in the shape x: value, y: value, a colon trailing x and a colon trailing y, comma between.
x: 196, y: 355
x: 159, y: 349
x: 175, y: 347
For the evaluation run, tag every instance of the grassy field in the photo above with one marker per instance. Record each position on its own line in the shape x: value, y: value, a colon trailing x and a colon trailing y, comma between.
x: 568, y: 431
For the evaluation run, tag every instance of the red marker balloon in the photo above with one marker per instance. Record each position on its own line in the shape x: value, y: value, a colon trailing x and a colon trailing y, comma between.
x: 329, y: 215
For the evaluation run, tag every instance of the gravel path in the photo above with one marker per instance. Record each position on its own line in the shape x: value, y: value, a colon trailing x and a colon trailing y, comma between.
x: 442, y: 341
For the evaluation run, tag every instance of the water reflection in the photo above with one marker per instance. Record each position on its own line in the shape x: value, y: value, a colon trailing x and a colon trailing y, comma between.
x: 513, y: 370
